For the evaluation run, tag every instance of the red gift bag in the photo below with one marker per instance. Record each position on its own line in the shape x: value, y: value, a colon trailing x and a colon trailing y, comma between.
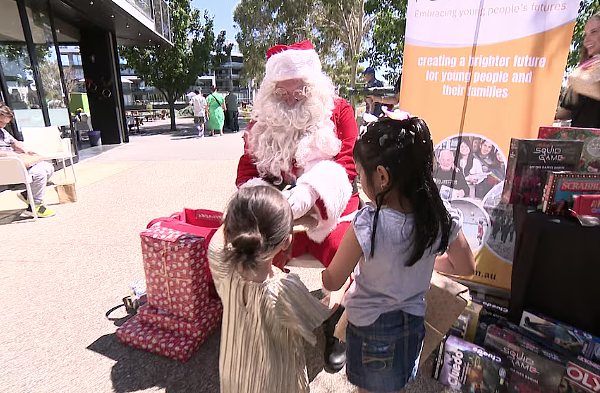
x: 199, y: 222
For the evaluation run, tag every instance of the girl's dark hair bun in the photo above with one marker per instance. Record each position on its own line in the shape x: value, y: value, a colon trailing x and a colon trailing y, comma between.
x: 246, y: 247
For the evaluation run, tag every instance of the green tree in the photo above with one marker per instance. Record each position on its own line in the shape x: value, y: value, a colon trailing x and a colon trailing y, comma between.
x: 172, y: 69
x: 387, y: 37
x: 263, y: 24
x: 345, y: 23
x: 587, y: 8
x: 337, y: 28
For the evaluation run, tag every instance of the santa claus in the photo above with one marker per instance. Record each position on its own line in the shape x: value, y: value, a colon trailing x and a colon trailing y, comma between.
x: 301, y: 139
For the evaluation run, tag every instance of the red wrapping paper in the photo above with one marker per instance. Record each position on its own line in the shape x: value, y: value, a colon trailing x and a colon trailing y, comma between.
x: 177, y: 274
x: 199, y: 329
x: 173, y: 345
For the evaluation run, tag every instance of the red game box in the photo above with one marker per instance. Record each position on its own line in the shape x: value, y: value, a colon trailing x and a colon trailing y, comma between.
x: 579, y: 378
x: 587, y: 205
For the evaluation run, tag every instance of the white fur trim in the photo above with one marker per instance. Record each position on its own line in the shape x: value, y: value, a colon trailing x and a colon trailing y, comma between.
x: 330, y: 181
x: 255, y: 181
x: 349, y: 217
x: 293, y: 64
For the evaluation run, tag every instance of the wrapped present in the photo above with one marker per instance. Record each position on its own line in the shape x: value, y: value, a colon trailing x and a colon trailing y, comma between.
x: 198, y: 329
x: 177, y: 274
x: 144, y: 336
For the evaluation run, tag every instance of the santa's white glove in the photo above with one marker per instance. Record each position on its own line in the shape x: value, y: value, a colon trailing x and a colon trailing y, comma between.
x: 301, y: 199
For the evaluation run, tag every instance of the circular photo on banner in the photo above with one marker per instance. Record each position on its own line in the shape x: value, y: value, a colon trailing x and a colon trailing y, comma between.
x: 476, y: 222
x: 468, y: 166
x: 501, y: 239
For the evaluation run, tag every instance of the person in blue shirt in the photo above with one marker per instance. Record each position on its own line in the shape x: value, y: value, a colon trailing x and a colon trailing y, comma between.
x: 392, y: 248
x: 373, y: 108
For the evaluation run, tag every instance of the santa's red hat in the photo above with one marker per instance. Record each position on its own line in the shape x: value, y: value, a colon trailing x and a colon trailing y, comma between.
x: 297, y: 61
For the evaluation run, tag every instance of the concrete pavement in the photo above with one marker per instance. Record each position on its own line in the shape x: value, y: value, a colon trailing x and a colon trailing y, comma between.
x: 60, y: 275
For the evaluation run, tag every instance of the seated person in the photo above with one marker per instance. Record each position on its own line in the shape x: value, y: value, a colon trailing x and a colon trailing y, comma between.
x: 450, y: 178
x: 39, y: 169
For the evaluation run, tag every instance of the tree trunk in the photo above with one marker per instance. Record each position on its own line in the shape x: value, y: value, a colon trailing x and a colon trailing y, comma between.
x: 353, y: 67
x: 171, y: 102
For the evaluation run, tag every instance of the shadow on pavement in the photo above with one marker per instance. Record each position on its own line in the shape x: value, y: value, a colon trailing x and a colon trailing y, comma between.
x: 14, y: 216
x: 136, y: 370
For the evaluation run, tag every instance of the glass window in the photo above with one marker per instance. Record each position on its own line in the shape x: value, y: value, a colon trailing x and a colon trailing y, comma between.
x: 54, y: 96
x: 64, y: 59
x: 77, y: 60
x: 16, y: 64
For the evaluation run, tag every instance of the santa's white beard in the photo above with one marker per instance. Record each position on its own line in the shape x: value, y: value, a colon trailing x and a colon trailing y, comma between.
x: 281, y: 134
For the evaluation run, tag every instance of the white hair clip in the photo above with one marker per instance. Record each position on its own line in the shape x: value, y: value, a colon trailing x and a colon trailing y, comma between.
x: 397, y: 114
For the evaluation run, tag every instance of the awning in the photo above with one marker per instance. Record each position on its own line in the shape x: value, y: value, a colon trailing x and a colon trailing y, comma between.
x: 123, y: 80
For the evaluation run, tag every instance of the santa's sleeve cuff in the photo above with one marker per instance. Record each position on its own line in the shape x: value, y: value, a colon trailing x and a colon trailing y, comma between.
x: 330, y: 180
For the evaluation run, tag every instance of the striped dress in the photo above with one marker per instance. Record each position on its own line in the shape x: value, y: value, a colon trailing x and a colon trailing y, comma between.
x: 263, y: 326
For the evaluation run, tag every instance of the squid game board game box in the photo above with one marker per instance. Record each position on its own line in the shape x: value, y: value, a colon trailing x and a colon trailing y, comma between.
x: 590, y: 159
x: 532, y: 368
x: 575, y: 341
x: 467, y: 367
x: 530, y: 160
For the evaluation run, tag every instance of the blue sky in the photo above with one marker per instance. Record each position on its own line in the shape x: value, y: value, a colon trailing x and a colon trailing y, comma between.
x: 222, y: 11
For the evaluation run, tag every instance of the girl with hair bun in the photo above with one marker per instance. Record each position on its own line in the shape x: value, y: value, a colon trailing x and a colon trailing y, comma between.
x: 266, y: 313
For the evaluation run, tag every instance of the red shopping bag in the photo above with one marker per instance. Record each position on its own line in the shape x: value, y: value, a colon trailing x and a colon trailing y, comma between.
x: 199, y: 222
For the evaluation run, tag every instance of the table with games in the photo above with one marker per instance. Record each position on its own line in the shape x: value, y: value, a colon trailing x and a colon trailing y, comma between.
x: 556, y: 270
x: 546, y: 338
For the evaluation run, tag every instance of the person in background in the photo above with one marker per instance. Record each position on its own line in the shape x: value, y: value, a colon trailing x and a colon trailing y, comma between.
x: 39, y: 169
x: 582, y: 110
x: 392, y: 248
x: 267, y: 314
x: 388, y: 100
x: 231, y: 102
x: 468, y: 163
x: 216, y: 114
x: 200, y: 112
x: 489, y: 163
x: 448, y: 175
x: 373, y: 107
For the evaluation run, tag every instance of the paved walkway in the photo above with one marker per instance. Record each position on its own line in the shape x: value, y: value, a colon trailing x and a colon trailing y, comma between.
x: 60, y: 275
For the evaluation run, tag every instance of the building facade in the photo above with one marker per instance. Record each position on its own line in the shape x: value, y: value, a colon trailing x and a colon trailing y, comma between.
x: 51, y: 48
x: 227, y: 77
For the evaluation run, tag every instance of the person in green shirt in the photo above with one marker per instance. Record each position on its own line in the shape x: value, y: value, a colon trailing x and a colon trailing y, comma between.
x: 216, y: 116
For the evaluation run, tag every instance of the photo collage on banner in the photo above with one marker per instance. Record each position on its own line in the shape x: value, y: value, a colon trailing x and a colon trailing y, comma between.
x: 480, y: 73
x: 470, y: 172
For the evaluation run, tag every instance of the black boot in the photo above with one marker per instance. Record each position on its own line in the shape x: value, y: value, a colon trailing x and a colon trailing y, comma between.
x: 335, y: 350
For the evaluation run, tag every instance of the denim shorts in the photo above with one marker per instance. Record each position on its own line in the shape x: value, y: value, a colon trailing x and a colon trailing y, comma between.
x: 384, y: 356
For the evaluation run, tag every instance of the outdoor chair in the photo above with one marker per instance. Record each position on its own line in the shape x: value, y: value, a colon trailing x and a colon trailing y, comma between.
x: 47, y: 142
x: 12, y: 171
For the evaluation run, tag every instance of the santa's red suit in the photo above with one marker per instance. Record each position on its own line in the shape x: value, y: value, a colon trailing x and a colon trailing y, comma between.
x: 330, y: 178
